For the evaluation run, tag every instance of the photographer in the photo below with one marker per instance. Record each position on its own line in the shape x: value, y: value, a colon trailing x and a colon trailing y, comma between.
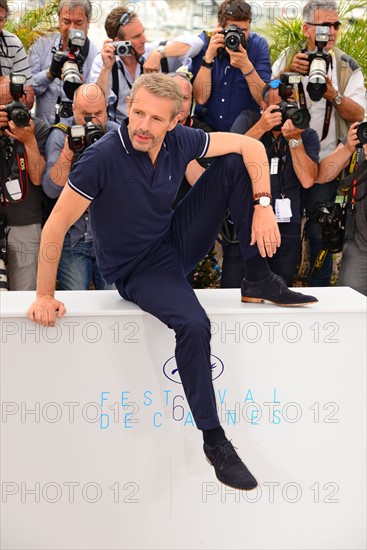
x: 78, y: 267
x: 342, y: 103
x: 352, y: 154
x: 116, y: 73
x: 13, y: 58
x: 47, y: 64
x: 293, y: 156
x: 231, y: 69
x: 21, y: 165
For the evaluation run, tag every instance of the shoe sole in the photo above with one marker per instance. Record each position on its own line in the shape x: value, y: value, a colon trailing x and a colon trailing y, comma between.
x: 231, y: 486
x: 261, y: 300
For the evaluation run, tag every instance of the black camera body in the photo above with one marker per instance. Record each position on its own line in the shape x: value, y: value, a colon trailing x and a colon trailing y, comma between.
x: 319, y: 60
x: 80, y: 137
x: 331, y: 217
x: 362, y: 133
x: 16, y: 110
x: 122, y: 48
x: 234, y: 37
x: 289, y: 109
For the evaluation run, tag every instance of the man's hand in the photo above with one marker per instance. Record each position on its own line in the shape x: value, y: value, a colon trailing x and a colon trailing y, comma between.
x: 216, y: 41
x: 270, y: 118
x: 331, y: 92
x: 24, y: 135
x: 57, y: 63
x: 352, y: 140
x: 108, y: 54
x: 299, y: 64
x: 265, y: 231
x: 3, y: 117
x: 152, y: 64
x: 289, y: 131
x: 240, y: 59
x: 44, y: 309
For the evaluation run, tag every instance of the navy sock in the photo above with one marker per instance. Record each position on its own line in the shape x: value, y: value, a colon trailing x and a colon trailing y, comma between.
x: 257, y: 269
x: 214, y: 437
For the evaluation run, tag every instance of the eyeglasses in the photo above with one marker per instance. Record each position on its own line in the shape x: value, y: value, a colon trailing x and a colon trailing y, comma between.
x: 335, y: 25
x: 235, y: 7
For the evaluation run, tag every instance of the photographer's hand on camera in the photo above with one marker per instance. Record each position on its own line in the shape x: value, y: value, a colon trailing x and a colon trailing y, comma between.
x: 299, y: 64
x: 3, y: 117
x: 57, y: 63
x: 25, y: 135
x: 216, y: 41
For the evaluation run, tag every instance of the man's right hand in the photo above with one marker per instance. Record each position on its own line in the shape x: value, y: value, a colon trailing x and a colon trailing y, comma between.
x: 216, y: 41
x: 299, y: 64
x: 57, y: 63
x: 108, y: 54
x: 270, y: 118
x: 44, y: 310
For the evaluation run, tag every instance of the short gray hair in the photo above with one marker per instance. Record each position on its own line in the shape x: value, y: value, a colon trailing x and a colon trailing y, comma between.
x: 159, y: 85
x: 72, y: 4
x: 309, y: 9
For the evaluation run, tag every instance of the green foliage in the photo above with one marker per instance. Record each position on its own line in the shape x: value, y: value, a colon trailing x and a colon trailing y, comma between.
x: 207, y: 272
x: 352, y: 37
x: 34, y: 23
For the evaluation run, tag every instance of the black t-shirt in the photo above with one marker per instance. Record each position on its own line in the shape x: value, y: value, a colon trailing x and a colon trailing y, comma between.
x: 29, y: 210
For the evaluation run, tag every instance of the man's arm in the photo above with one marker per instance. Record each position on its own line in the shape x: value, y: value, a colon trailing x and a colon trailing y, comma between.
x: 102, y: 67
x: 59, y: 160
x: 35, y: 161
x: 305, y: 167
x: 68, y: 209
x: 183, y: 46
x: 333, y: 164
x: 265, y: 231
x: 348, y: 109
x: 202, y: 85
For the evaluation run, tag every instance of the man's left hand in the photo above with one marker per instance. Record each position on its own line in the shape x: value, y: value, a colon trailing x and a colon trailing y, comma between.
x: 265, y: 231
x: 152, y: 64
x: 240, y: 59
x: 289, y: 131
x: 331, y: 92
x: 24, y: 135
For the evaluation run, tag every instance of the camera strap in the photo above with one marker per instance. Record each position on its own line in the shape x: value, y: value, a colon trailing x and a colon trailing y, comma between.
x: 118, y: 65
x: 7, y: 156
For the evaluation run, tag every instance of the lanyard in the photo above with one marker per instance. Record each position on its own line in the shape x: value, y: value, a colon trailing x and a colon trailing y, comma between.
x: 280, y: 153
x: 8, y: 152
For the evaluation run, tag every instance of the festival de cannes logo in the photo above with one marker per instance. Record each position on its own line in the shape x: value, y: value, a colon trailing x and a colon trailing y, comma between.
x: 170, y: 369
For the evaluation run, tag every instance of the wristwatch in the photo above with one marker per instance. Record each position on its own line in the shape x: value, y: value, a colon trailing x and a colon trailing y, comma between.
x: 49, y: 75
x: 338, y: 99
x: 162, y: 50
x: 293, y: 143
x: 263, y: 201
x: 206, y: 64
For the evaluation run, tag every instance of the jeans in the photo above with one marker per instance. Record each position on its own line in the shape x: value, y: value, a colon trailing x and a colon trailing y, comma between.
x: 78, y: 267
x: 318, y: 193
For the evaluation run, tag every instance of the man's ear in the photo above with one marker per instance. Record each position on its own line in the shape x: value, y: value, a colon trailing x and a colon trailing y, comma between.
x: 173, y: 123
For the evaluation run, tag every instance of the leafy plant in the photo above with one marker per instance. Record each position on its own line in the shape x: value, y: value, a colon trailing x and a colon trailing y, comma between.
x: 34, y: 23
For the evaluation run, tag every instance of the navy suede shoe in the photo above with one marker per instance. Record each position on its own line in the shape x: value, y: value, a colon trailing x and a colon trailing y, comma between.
x: 228, y: 466
x: 273, y: 289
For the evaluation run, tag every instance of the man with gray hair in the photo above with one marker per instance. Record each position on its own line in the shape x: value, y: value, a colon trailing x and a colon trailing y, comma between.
x: 342, y: 103
x: 46, y: 69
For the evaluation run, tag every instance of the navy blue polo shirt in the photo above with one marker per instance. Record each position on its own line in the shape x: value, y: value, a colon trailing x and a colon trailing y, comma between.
x: 131, y: 200
x: 291, y: 184
x: 230, y: 93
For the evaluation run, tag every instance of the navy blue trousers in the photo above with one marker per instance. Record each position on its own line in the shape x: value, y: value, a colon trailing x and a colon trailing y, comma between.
x: 159, y: 286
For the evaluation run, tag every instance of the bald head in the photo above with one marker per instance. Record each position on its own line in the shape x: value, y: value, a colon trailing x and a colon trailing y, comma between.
x: 186, y: 88
x: 90, y: 100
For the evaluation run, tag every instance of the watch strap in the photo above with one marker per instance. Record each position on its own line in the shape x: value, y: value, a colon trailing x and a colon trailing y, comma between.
x: 206, y: 64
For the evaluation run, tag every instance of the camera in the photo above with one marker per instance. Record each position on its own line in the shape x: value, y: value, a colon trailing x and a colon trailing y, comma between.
x: 80, y: 137
x: 17, y: 111
x: 319, y: 61
x: 362, y: 133
x: 331, y: 217
x: 234, y: 37
x: 122, y: 48
x: 69, y: 62
x: 289, y: 109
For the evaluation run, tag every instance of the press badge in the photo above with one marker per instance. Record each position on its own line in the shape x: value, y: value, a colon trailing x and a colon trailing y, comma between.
x: 13, y: 189
x: 274, y: 163
x: 283, y: 211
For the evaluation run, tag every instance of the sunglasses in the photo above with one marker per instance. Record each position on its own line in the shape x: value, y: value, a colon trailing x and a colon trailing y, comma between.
x: 335, y: 25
